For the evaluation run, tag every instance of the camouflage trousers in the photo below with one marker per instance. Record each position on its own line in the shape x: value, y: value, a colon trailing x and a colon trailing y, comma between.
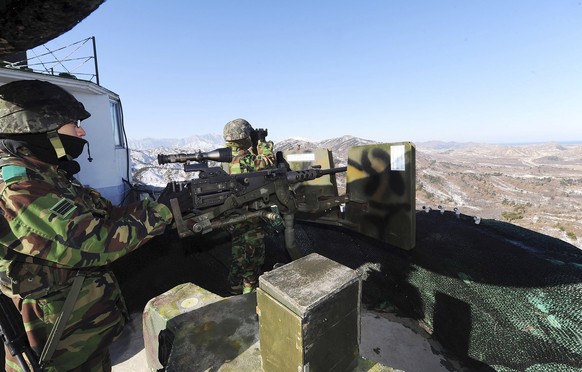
x: 248, y: 256
x: 96, y: 321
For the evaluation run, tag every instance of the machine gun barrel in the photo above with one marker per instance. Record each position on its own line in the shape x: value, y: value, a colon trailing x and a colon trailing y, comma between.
x: 311, y: 174
x: 222, y: 155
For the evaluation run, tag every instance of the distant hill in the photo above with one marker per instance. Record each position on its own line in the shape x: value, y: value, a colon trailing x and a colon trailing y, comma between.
x: 196, y: 142
x: 536, y: 186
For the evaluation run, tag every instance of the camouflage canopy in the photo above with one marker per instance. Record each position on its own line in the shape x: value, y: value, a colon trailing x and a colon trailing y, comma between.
x: 28, y: 24
x: 34, y: 106
x: 237, y: 129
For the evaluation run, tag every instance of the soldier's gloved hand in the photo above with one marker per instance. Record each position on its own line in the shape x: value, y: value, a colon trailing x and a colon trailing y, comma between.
x: 164, y: 214
x: 261, y: 134
x: 265, y: 148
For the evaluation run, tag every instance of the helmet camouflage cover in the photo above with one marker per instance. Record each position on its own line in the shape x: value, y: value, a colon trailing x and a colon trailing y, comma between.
x: 237, y: 129
x: 34, y: 106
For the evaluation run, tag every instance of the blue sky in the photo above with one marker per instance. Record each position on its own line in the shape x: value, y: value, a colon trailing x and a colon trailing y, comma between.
x: 494, y: 71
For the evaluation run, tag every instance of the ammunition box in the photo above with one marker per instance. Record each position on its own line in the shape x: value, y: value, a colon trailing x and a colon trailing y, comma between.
x: 309, y: 316
x: 161, y: 310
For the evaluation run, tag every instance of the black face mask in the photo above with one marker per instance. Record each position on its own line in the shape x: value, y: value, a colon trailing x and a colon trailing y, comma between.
x: 41, y: 147
x: 73, y: 145
x: 73, y: 148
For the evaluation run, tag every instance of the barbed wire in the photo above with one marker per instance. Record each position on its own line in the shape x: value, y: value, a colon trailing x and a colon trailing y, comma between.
x: 57, y: 65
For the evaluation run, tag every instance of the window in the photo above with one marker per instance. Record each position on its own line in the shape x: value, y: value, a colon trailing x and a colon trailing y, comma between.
x: 117, y: 123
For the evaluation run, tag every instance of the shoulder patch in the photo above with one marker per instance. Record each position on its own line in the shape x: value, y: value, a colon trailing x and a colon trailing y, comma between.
x: 12, y: 171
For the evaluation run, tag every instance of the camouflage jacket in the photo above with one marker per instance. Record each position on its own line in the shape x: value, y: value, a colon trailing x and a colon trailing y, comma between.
x: 51, y: 226
x: 245, y: 160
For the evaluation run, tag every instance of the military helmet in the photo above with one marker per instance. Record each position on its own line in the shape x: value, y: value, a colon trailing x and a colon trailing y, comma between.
x: 237, y: 129
x: 34, y: 106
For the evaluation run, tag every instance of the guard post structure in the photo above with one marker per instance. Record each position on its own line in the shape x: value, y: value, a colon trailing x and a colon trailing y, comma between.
x: 309, y: 316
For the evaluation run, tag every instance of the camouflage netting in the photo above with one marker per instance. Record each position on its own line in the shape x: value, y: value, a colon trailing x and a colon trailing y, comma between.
x: 497, y: 296
x: 28, y: 24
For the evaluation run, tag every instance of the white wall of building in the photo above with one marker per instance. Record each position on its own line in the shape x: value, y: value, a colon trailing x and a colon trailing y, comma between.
x: 109, y: 166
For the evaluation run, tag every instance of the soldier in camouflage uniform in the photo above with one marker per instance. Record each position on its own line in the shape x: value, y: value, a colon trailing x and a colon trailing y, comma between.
x: 248, y: 244
x: 53, y: 230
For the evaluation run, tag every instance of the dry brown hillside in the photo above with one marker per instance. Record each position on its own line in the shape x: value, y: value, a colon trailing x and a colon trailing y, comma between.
x: 538, y: 187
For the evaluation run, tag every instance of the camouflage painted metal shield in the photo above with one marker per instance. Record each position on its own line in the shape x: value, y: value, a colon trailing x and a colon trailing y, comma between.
x: 307, y: 159
x: 381, y: 184
x: 34, y: 106
x: 310, y: 194
x: 380, y: 198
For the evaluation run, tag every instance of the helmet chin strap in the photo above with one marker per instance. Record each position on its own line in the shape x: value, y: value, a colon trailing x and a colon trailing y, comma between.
x: 57, y: 143
x: 89, y: 153
x: 53, y: 136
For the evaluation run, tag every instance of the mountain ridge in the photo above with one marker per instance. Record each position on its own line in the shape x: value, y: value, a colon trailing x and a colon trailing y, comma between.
x: 536, y: 186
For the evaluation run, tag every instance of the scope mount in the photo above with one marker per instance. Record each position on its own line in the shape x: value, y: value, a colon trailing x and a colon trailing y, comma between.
x: 195, y: 167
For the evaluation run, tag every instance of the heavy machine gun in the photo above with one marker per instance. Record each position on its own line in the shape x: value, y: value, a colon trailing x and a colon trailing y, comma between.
x: 217, y: 199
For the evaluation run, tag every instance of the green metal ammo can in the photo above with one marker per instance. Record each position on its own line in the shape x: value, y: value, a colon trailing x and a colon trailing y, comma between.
x: 309, y: 316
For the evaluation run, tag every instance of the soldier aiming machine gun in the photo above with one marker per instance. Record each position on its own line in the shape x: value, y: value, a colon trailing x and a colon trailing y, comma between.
x: 217, y: 199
